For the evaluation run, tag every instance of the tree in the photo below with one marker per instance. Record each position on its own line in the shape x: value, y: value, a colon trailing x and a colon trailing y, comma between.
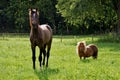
x: 76, y: 12
x: 116, y: 4
x: 3, y: 6
x: 15, y: 16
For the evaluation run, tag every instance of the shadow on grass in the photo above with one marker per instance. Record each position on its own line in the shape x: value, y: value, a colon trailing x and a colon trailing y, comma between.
x: 44, y: 73
x: 88, y: 60
x: 85, y: 60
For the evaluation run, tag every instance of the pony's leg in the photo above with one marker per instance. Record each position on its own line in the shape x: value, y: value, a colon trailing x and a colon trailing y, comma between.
x: 80, y: 57
x: 95, y: 56
x: 84, y: 58
x: 33, y: 56
x: 40, y: 56
x: 44, y: 54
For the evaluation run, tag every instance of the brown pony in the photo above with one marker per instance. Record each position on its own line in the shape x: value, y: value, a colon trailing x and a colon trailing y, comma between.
x: 41, y: 36
x: 86, y: 51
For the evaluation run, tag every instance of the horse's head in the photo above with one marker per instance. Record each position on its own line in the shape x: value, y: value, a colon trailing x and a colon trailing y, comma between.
x: 82, y: 46
x: 34, y: 17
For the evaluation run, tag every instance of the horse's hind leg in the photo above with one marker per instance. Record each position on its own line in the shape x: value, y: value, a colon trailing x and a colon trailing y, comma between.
x: 48, y: 52
x: 44, y: 54
x: 33, y: 56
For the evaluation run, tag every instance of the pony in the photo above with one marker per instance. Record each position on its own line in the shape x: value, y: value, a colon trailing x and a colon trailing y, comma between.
x: 41, y: 36
x: 86, y: 51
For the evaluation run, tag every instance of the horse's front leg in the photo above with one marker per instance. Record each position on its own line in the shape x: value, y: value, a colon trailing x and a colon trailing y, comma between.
x: 40, y: 56
x: 33, y: 56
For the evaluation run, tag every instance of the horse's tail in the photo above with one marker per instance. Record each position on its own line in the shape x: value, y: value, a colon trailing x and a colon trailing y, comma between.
x: 49, y: 28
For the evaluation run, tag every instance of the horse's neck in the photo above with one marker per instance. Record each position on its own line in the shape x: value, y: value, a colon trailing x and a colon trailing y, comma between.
x: 34, y: 31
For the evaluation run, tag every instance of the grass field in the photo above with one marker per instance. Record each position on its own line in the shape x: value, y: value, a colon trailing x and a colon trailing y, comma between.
x: 64, y: 64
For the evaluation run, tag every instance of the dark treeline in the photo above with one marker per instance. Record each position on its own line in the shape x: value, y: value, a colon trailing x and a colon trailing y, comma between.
x: 64, y: 16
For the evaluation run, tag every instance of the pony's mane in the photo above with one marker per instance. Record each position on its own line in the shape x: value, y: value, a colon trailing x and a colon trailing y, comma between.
x: 78, y: 44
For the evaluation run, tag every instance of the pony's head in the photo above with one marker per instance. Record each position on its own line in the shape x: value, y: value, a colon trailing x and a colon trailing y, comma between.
x: 81, y: 46
x: 34, y: 17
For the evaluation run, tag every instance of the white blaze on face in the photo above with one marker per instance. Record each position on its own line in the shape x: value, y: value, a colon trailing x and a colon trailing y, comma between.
x: 34, y: 15
x: 34, y: 10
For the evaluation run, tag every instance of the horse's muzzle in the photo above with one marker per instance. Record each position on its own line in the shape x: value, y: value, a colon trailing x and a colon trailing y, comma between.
x: 34, y: 25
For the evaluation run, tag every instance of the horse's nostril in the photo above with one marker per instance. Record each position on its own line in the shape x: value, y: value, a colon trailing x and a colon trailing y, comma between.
x: 34, y: 25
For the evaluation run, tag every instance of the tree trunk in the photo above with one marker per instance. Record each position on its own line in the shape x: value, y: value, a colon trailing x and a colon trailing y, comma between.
x: 54, y: 28
x: 116, y: 4
x: 67, y: 30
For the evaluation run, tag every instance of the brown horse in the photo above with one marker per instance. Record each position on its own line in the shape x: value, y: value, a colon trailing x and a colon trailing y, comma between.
x: 41, y: 36
x: 86, y: 51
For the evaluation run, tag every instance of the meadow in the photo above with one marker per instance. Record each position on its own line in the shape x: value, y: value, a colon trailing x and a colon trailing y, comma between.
x: 64, y: 63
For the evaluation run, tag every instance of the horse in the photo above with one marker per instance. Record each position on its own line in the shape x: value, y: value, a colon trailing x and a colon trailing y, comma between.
x: 86, y: 51
x: 41, y: 36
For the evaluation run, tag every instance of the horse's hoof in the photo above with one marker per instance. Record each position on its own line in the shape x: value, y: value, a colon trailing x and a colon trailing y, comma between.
x: 46, y: 66
x: 43, y: 64
x: 34, y: 68
x: 41, y: 68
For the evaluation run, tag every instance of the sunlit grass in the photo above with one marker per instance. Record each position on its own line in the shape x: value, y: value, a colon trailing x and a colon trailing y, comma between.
x: 64, y: 64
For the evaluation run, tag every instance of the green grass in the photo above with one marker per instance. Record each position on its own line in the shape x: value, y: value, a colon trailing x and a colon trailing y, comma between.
x: 64, y: 64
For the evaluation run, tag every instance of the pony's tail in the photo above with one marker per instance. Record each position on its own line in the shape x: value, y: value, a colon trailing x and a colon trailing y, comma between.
x: 95, y: 55
x: 95, y: 50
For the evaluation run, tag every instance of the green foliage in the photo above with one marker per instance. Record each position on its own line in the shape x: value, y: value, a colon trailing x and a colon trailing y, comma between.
x: 16, y: 14
x: 74, y: 16
x: 77, y: 12
x: 47, y: 10
x: 64, y: 63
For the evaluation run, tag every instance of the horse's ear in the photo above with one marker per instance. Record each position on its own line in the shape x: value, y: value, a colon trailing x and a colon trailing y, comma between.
x: 37, y: 11
x: 30, y: 9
